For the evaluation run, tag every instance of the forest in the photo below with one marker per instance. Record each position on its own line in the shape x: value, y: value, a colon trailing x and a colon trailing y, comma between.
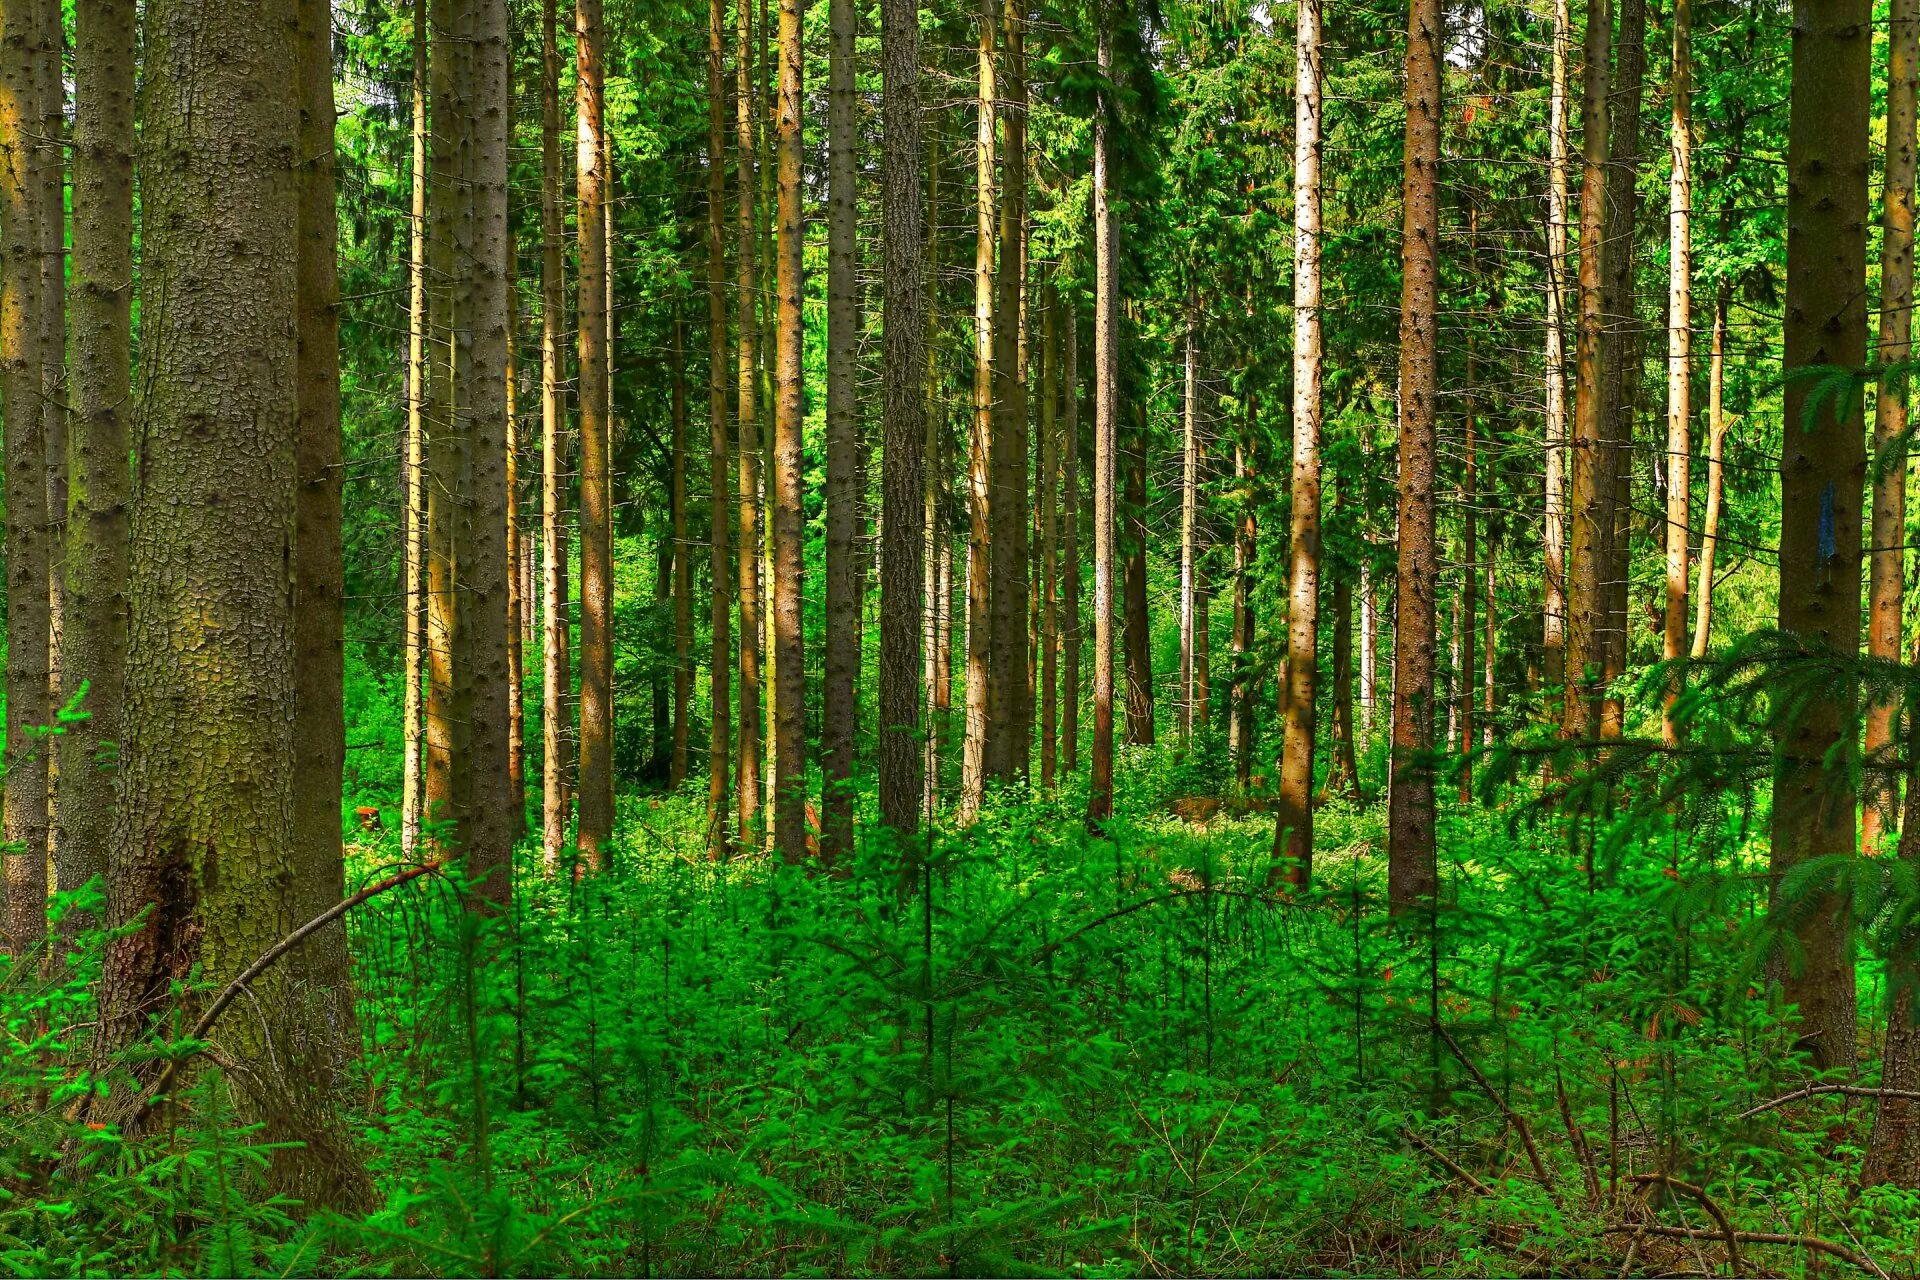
x: 969, y: 637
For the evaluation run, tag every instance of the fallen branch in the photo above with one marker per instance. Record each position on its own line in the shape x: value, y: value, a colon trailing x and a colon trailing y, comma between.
x: 1706, y: 1202
x: 1814, y: 1243
x: 266, y: 961
x: 1518, y: 1122
x: 1440, y: 1158
x: 1815, y: 1090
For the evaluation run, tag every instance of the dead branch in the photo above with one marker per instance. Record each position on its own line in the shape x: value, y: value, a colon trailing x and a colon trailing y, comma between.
x: 1706, y: 1202
x: 1815, y: 1090
x: 1814, y: 1243
x: 1518, y: 1122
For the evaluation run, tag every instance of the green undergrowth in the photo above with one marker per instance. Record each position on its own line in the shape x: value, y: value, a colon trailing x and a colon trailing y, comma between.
x: 1018, y: 1049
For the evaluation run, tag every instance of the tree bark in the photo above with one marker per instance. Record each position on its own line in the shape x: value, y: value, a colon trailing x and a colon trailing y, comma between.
x: 1189, y: 506
x: 1822, y: 473
x: 1886, y: 601
x: 1716, y: 479
x: 1412, y: 876
x: 414, y: 472
x: 1554, y: 535
x: 1105, y: 358
x: 1245, y: 529
x: 904, y: 423
x: 1006, y: 745
x: 1293, y: 814
x: 974, y: 764
x: 841, y: 660
x: 786, y: 528
x: 747, y: 103
x: 94, y: 644
x: 1680, y: 357
x: 1893, y: 1148
x: 51, y: 192
x: 720, y: 656
x: 1138, y: 631
x: 1469, y: 560
x: 204, y: 872
x: 1070, y: 541
x: 556, y: 668
x: 1049, y: 582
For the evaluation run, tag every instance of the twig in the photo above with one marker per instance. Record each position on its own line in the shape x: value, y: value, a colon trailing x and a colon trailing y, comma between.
x: 1815, y: 1090
x: 1706, y: 1202
x: 1518, y: 1122
x: 260, y: 966
x: 1446, y: 1163
x: 1581, y: 1151
x: 1814, y: 1243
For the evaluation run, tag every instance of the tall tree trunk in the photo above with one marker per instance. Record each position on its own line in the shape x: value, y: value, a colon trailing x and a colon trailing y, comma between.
x: 519, y: 600
x: 682, y: 573
x: 934, y: 479
x: 320, y: 966
x: 1893, y: 1149
x: 1049, y: 579
x: 1886, y: 603
x: 1189, y: 509
x: 747, y: 103
x: 720, y: 657
x: 556, y: 668
x: 1590, y: 491
x: 1343, y: 770
x: 1554, y: 535
x: 25, y: 820
x: 95, y: 640
x: 1293, y: 813
x: 1138, y: 636
x: 1106, y: 357
x: 1070, y: 542
x: 414, y: 618
x: 1469, y: 560
x: 975, y: 764
x: 596, y: 478
x: 841, y: 661
x: 51, y: 191
x: 1202, y: 641
x: 1240, y: 696
x: 203, y: 867
x: 1716, y: 479
x: 1411, y: 872
x: 904, y: 422
x: 1006, y: 752
x: 786, y: 526
x: 1680, y: 359
x: 1822, y: 472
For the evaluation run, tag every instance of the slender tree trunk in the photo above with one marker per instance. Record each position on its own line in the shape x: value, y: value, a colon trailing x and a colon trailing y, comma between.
x: 1411, y: 872
x: 974, y: 764
x: 904, y: 422
x: 95, y: 639
x: 1138, y: 636
x: 1469, y: 560
x: 556, y: 669
x: 1070, y: 542
x: 1106, y: 355
x: 841, y: 661
x: 1886, y: 602
x: 1202, y: 643
x: 1368, y: 626
x: 1240, y: 698
x: 1343, y: 770
x: 1488, y: 649
x: 1893, y: 1149
x: 720, y: 657
x: 1554, y: 535
x: 519, y: 602
x: 1049, y: 579
x: 934, y: 487
x: 319, y: 636
x: 204, y: 870
x: 1716, y: 480
x: 747, y: 102
x: 1822, y: 474
x: 1590, y: 496
x: 51, y: 191
x: 1680, y: 359
x: 414, y: 619
x: 28, y: 624
x: 1007, y: 501
x: 1189, y: 507
x: 786, y: 528
x: 1293, y: 820
x: 682, y: 569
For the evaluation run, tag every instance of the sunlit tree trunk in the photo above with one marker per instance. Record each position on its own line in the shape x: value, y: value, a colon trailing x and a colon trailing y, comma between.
x: 1049, y: 581
x: 95, y: 637
x: 1411, y: 871
x: 1554, y: 534
x: 747, y: 297
x: 1716, y: 477
x: 1293, y: 813
x: 556, y: 667
x: 1469, y: 559
x: 934, y: 484
x: 974, y: 751
x: 519, y: 603
x: 785, y: 526
x: 1189, y: 483
x: 51, y: 192
x: 1008, y: 508
x: 1245, y: 529
x: 841, y: 660
x: 1105, y: 406
x: 1137, y: 633
x: 414, y: 615
x: 1680, y: 356
x: 1822, y: 474
x: 720, y: 656
x: 1070, y: 541
x: 1343, y: 771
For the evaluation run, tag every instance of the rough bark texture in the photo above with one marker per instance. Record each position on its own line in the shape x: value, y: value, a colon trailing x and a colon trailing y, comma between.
x: 1716, y: 476
x: 1886, y: 601
x: 320, y: 968
x: 1680, y: 353
x: 51, y: 192
x: 1138, y: 638
x: 413, y: 621
x: 1893, y: 1149
x: 904, y: 423
x: 1189, y: 509
x: 1006, y: 746
x: 1293, y: 814
x: 786, y: 527
x: 1049, y: 582
x: 446, y: 461
x: 1822, y: 474
x: 1105, y: 406
x: 720, y: 656
x: 95, y: 640
x: 204, y: 874
x: 1070, y: 542
x: 1554, y: 534
x: 747, y: 295
x: 975, y: 750
x: 25, y: 819
x: 1245, y: 530
x: 595, y: 827
x: 839, y: 705
x: 682, y: 570
x: 1411, y: 872
x: 1464, y: 674
x: 556, y: 670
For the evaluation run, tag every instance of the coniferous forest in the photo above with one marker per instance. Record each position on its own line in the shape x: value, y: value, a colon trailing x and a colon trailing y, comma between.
x: 912, y: 637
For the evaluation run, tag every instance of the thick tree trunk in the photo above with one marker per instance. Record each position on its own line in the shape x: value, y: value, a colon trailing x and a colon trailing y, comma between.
x: 1138, y: 636
x: 1893, y: 1150
x: 596, y: 476
x: 935, y: 493
x: 747, y: 103
x: 556, y: 669
x: 94, y: 644
x: 1293, y: 813
x: 51, y: 192
x: 1554, y: 534
x: 720, y: 656
x: 839, y: 704
x: 1006, y: 746
x: 904, y: 423
x: 414, y: 472
x: 786, y: 526
x: 21, y: 51
x: 1822, y: 473
x: 1070, y: 542
x: 974, y: 764
x: 204, y: 870
x: 1106, y: 353
x: 1680, y: 357
x: 1716, y: 479
x: 1886, y: 601
x: 1411, y: 872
